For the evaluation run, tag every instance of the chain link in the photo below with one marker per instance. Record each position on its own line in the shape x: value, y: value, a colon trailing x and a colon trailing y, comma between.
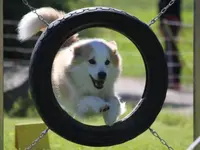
x: 38, y: 139
x: 161, y: 140
x: 34, y: 11
x: 151, y: 23
x: 161, y: 12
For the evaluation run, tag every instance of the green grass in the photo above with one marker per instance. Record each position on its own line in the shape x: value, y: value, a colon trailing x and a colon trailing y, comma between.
x: 145, y: 11
x: 175, y: 129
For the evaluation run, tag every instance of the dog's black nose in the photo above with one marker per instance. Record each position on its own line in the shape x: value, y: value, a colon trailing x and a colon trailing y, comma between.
x: 102, y: 75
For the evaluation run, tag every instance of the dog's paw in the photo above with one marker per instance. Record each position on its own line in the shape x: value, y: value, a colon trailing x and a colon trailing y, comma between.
x: 109, y: 119
x: 93, y: 104
x: 99, y: 105
x: 116, y: 109
x: 105, y: 108
x: 111, y: 116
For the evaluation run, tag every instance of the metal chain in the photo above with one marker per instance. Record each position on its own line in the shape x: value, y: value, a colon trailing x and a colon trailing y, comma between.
x: 151, y: 23
x: 34, y: 11
x: 161, y: 12
x: 161, y: 140
x: 47, y: 24
x: 38, y: 139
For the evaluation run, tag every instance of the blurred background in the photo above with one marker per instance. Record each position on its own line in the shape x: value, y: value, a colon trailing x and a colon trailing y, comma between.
x: 175, y: 35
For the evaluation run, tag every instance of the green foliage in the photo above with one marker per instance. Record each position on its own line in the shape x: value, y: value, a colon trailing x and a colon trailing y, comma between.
x: 23, y: 108
x: 19, y: 108
x: 77, y: 4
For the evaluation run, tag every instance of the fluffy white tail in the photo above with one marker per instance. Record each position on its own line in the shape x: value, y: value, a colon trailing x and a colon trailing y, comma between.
x: 30, y: 24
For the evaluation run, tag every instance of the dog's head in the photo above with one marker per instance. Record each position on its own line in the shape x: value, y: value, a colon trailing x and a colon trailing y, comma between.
x: 96, y: 62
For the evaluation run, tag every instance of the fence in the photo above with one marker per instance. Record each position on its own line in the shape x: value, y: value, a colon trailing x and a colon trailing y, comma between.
x: 15, y: 50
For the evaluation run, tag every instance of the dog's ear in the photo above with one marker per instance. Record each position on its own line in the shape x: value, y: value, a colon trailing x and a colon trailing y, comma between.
x: 82, y: 50
x: 113, y: 46
x: 81, y: 53
x: 74, y: 38
x: 77, y: 51
x: 115, y: 57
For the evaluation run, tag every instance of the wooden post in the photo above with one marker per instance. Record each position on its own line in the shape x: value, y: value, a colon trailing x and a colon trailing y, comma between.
x: 1, y: 75
x: 197, y: 70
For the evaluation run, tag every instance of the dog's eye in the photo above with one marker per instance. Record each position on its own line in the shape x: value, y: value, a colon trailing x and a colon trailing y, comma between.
x: 92, y: 61
x: 107, y: 62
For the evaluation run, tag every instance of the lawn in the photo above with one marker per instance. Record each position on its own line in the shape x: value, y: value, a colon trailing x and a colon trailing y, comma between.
x: 177, y: 130
x: 145, y: 11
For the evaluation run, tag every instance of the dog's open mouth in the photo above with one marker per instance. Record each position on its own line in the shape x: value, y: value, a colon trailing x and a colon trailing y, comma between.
x: 97, y: 83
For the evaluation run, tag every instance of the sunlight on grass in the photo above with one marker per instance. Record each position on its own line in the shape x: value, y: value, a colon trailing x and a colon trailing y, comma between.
x: 174, y: 128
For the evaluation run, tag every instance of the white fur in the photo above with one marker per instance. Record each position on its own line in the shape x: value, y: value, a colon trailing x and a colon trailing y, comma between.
x: 91, y: 104
x: 117, y: 108
x: 30, y: 24
x: 27, y: 30
x: 72, y: 85
x: 101, y: 54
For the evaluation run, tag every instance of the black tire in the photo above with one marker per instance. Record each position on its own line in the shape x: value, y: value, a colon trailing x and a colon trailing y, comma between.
x: 41, y: 87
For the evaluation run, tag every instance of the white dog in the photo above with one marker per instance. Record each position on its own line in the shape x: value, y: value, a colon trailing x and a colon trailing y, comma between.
x: 84, y: 71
